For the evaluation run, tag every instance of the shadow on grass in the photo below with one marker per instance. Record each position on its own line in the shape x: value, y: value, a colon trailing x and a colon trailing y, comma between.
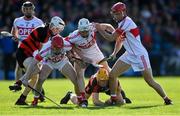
x: 48, y: 107
x: 143, y: 107
x: 66, y: 107
x: 90, y: 107
x: 96, y: 107
x: 102, y: 107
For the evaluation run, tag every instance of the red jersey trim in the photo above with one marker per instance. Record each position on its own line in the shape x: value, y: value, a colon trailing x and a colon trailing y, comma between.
x: 144, y: 62
x: 38, y: 57
x: 120, y: 32
x: 135, y: 32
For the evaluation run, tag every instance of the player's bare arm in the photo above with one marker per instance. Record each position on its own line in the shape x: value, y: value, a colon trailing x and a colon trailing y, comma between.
x: 107, y: 27
x: 118, y: 46
x: 107, y: 31
x: 101, y: 29
x: 14, y: 32
x: 96, y: 100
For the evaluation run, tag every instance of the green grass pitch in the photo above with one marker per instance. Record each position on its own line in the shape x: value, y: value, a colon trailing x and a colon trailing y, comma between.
x: 145, y: 100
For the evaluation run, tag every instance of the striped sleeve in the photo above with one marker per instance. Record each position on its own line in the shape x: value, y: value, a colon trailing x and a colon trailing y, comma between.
x: 92, y: 86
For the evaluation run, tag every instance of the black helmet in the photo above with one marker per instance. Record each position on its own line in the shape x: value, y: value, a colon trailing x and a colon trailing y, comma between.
x: 28, y: 4
x: 28, y: 9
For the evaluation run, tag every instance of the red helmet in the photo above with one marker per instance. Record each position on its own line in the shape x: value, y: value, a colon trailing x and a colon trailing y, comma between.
x: 57, y: 42
x: 118, y: 7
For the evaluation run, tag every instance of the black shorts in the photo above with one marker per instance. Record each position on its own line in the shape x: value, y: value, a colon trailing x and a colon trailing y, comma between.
x: 21, y: 56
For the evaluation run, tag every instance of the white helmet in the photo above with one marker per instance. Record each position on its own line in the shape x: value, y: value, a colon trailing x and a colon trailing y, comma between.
x: 83, y: 24
x: 57, y: 22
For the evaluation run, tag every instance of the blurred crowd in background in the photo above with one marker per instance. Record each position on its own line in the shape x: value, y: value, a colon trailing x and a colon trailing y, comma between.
x: 158, y: 20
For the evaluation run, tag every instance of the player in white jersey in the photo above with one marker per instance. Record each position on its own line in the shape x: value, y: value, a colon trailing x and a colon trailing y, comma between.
x: 85, y: 46
x: 54, y: 56
x: 22, y: 27
x: 136, y: 56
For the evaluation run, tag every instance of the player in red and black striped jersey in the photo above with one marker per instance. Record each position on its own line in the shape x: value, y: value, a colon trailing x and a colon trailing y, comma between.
x: 98, y: 83
x: 33, y: 42
x: 96, y: 86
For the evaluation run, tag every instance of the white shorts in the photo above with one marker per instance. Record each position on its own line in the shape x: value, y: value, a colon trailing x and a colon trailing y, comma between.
x: 59, y: 65
x: 97, y: 58
x: 137, y: 62
x: 93, y: 58
x: 91, y: 55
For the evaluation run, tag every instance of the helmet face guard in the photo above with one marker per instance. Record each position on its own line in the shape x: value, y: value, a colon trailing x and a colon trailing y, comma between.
x: 102, y: 74
x: 83, y: 24
x: 57, y: 22
x: 118, y: 11
x: 84, y: 33
x: 28, y: 9
x: 84, y: 27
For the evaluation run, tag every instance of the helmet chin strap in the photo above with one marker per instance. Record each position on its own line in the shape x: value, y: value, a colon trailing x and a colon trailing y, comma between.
x: 122, y: 14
